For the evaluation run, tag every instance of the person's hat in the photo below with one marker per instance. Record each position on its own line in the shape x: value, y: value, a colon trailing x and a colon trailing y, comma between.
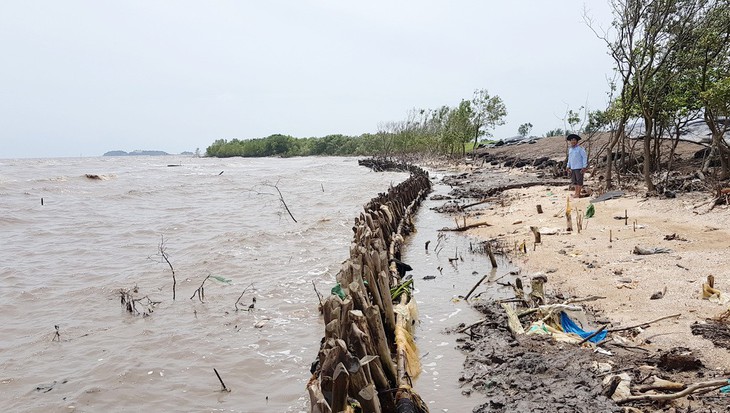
x: 572, y: 136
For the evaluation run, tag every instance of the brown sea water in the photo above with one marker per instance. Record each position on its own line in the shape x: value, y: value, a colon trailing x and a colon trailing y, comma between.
x: 64, y: 262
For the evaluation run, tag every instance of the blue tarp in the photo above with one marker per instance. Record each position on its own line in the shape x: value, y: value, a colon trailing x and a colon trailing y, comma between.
x: 569, y: 326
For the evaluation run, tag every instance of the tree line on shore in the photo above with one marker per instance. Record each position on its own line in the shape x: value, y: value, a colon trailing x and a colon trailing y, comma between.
x: 446, y: 130
x: 671, y: 69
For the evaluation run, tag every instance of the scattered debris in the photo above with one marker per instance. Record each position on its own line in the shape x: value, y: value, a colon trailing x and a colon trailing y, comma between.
x: 674, y: 237
x: 659, y: 294
x: 45, y: 388
x: 679, y: 359
x: 709, y: 292
x: 717, y: 331
x: 650, y: 251
x: 608, y: 195
x: 130, y: 302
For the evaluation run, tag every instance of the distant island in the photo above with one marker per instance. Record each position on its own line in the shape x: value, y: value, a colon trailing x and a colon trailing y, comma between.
x: 142, y: 153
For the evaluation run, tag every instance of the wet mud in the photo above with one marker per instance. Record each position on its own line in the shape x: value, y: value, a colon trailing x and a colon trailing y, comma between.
x: 537, y: 374
x: 528, y: 373
x: 714, y: 330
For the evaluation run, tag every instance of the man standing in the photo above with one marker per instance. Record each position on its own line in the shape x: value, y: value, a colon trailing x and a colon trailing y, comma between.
x: 577, y: 163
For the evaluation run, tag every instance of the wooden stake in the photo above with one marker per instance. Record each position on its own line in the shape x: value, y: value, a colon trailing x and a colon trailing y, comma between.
x: 537, y: 293
x: 536, y: 233
x: 341, y: 380
x: 491, y: 254
x: 569, y: 219
x: 579, y: 219
x: 519, y: 290
x: 380, y: 341
x: 362, y: 346
x: 316, y: 397
x: 361, y: 385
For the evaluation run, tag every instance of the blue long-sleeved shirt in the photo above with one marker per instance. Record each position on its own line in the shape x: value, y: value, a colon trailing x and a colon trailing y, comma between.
x: 577, y: 158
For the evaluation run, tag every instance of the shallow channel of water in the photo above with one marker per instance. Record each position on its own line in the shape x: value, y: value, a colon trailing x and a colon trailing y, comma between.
x: 439, y: 300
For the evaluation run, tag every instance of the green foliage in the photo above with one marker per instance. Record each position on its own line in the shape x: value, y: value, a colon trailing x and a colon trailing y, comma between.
x: 668, y: 54
x: 554, y: 132
x: 573, y: 118
x: 488, y: 112
x: 598, y: 120
x: 446, y: 130
x: 287, y: 146
x: 717, y: 97
x: 524, y: 129
x: 396, y: 292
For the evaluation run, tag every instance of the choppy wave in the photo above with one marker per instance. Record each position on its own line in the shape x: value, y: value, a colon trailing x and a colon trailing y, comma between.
x: 67, y: 260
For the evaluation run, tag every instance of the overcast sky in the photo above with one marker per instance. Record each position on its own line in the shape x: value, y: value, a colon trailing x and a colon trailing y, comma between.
x: 79, y: 78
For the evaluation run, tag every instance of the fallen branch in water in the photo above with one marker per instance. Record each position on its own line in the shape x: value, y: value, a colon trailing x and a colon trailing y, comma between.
x: 463, y: 329
x: 466, y: 227
x: 130, y: 303
x: 281, y: 198
x: 477, y: 285
x: 161, y: 252
x: 318, y: 296
x: 223, y: 385
x: 241, y: 296
x: 201, y: 290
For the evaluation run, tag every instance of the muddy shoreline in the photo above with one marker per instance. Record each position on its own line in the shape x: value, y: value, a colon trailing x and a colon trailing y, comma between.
x: 505, y: 372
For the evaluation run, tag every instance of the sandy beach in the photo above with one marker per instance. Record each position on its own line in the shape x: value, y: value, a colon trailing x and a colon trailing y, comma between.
x: 641, y: 258
x: 600, y: 259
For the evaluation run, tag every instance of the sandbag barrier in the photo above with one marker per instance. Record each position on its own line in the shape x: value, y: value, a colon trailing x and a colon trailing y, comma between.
x: 367, y: 354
